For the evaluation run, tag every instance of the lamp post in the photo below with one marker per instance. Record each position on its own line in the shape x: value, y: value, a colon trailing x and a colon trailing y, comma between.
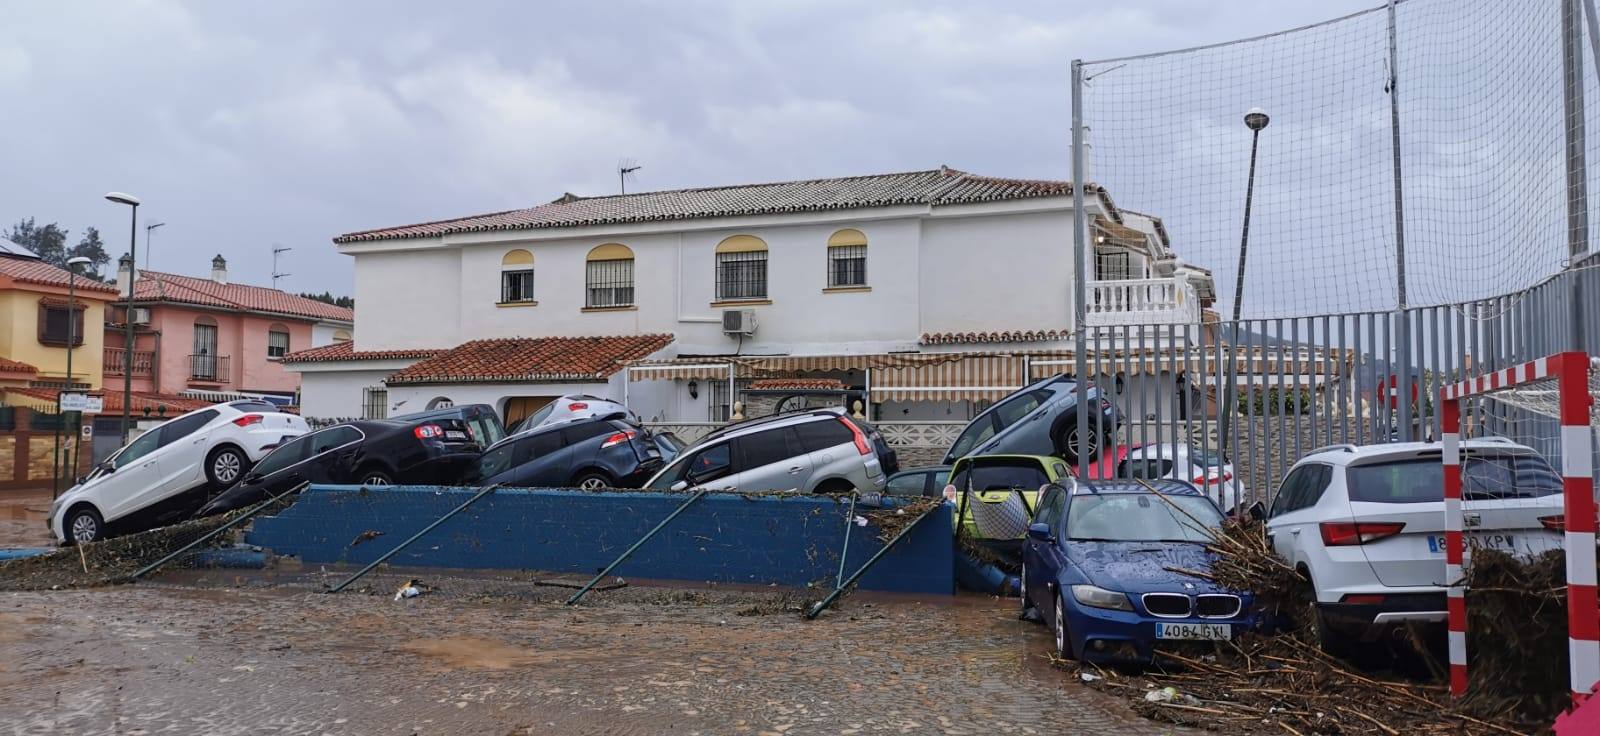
x: 1255, y: 120
x: 72, y: 337
x: 127, y: 317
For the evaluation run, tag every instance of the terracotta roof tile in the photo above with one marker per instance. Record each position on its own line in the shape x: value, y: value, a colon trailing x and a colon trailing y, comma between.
x: 346, y: 350
x: 941, y: 186
x: 531, y: 359
x: 796, y: 384
x: 960, y: 338
x: 32, y: 271
x: 174, y: 405
x: 8, y: 365
x: 156, y: 286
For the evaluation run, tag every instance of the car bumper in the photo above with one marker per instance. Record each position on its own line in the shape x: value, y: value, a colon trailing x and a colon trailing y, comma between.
x: 1100, y: 635
x: 1369, y: 621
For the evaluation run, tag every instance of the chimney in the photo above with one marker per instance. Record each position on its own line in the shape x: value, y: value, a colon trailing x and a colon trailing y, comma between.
x: 219, y: 269
x: 125, y: 273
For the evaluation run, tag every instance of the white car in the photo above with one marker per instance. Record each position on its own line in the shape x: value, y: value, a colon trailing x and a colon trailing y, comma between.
x: 1207, y: 470
x: 163, y: 474
x: 571, y: 407
x: 1366, y: 525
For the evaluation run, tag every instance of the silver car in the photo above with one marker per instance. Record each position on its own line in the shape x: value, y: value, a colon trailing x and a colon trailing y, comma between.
x: 817, y: 451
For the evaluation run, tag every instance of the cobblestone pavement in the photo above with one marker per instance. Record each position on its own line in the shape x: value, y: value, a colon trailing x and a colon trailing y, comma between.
x: 153, y: 658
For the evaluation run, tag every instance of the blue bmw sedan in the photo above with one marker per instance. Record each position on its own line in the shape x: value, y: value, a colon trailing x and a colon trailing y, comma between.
x: 1098, y: 565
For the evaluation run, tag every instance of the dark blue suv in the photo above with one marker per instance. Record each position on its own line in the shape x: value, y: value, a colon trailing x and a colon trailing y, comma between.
x: 588, y: 453
x: 1041, y: 419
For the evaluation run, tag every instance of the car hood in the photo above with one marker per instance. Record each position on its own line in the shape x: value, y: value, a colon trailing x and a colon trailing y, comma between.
x: 1143, y: 567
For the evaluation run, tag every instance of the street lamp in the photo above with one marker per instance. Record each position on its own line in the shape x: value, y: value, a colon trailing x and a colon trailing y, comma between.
x: 72, y: 337
x: 127, y: 317
x: 1255, y: 120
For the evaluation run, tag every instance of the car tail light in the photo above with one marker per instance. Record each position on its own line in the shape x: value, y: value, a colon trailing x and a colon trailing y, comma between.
x: 618, y: 438
x: 1557, y: 523
x: 861, y: 439
x: 577, y: 406
x: 248, y: 420
x: 1209, y: 479
x: 1347, y: 533
x: 1363, y: 599
x: 428, y: 432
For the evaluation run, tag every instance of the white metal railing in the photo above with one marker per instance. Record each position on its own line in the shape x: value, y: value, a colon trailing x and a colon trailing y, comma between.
x: 1142, y: 302
x: 939, y: 434
x: 689, y: 432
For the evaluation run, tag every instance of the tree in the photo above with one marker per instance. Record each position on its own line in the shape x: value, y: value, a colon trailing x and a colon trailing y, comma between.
x: 49, y: 242
x: 327, y: 297
x: 92, y: 248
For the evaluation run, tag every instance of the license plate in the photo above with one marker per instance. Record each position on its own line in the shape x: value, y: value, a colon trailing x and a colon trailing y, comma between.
x: 451, y: 434
x: 1201, y: 632
x: 1503, y: 542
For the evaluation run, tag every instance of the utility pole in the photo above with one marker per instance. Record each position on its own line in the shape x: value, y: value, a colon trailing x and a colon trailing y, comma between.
x: 1403, y: 380
x: 1080, y: 280
x: 1577, y: 165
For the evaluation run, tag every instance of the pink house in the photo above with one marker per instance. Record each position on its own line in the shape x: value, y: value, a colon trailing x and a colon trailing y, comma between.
x: 208, y: 338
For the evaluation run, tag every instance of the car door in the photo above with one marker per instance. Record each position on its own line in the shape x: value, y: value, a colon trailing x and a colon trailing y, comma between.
x: 185, y: 441
x: 826, y: 443
x: 331, y: 456
x: 134, y: 470
x: 1041, y: 560
x: 284, y: 467
x: 1023, y: 426
x: 542, y: 460
x: 772, y: 460
x: 910, y: 483
x: 1292, y: 516
x: 712, y: 467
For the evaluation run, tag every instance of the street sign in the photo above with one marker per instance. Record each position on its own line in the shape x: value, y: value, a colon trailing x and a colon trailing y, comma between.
x: 95, y: 405
x: 82, y: 402
x: 87, y: 431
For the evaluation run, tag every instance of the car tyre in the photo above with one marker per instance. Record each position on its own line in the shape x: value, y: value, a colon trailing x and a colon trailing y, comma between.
x: 1022, y: 592
x: 376, y: 478
x: 226, y: 465
x: 592, y: 481
x: 1067, y: 441
x: 1315, y: 624
x: 1058, y: 627
x: 84, y: 525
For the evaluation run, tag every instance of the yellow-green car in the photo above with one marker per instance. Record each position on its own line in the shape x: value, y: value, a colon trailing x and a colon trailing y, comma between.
x: 987, y: 481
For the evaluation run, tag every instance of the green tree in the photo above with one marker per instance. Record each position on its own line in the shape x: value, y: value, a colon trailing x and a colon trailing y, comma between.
x: 49, y: 241
x: 327, y: 297
x: 92, y: 248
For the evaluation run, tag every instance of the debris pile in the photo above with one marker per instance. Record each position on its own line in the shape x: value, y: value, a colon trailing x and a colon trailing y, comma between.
x: 890, y: 521
x: 1517, y: 635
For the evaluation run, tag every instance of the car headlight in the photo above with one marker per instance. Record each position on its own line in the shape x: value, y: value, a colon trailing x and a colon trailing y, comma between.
x: 1095, y: 596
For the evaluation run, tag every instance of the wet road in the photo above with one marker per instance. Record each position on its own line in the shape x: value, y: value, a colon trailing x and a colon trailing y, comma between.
x: 151, y: 659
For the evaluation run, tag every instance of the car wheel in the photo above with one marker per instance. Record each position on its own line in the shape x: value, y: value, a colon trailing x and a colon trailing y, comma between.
x: 84, y: 526
x: 1315, y: 624
x: 1058, y: 623
x: 1022, y: 590
x: 1067, y: 441
x: 376, y: 478
x: 225, y: 465
x: 592, y: 482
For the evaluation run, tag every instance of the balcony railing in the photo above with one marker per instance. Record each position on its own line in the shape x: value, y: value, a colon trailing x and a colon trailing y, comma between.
x: 116, y: 362
x: 208, y: 368
x: 1142, y: 302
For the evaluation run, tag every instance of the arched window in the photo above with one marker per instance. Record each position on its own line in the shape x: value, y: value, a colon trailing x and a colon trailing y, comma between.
x: 440, y: 402
x: 741, y: 268
x: 847, y: 259
x: 277, y: 340
x: 203, y: 361
x: 516, y: 277
x: 608, y: 277
x: 341, y: 336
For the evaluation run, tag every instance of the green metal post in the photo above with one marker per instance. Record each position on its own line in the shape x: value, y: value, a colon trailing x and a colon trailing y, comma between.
x: 873, y: 560
x: 486, y: 490
x: 844, y: 554
x: 258, y: 508
x: 636, y: 545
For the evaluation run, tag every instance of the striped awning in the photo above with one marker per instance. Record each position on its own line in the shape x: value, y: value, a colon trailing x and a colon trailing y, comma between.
x: 969, y: 378
x: 772, y: 366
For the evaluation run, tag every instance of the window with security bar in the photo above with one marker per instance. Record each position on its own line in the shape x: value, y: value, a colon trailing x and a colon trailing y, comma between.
x: 719, y: 408
x: 277, y: 344
x: 742, y: 275
x: 609, y: 283
x: 516, y: 286
x: 1112, y: 265
x: 847, y: 265
x: 374, y: 403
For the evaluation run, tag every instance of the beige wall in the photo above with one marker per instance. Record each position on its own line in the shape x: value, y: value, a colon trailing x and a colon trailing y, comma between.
x: 19, y: 334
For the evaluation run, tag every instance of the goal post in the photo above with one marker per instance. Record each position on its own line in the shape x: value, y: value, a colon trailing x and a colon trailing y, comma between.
x: 1570, y: 403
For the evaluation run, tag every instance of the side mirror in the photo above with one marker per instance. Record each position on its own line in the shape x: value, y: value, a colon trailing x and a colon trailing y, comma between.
x: 1257, y: 511
x: 1040, y: 531
x: 680, y: 485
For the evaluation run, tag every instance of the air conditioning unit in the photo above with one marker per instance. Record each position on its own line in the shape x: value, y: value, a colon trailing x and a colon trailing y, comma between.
x: 141, y: 315
x: 738, y: 321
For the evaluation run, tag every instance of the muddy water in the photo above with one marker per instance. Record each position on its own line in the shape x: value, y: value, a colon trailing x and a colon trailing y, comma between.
x: 22, y: 520
x: 150, y: 659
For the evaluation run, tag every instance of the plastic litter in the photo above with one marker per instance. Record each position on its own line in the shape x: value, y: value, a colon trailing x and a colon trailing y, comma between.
x: 409, y: 589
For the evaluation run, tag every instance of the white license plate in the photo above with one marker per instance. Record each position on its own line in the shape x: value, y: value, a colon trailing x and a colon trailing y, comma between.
x: 1202, y: 632
x: 1502, y: 542
x: 451, y: 434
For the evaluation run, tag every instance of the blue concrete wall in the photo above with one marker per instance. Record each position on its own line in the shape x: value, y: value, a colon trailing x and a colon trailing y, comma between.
x: 724, y: 538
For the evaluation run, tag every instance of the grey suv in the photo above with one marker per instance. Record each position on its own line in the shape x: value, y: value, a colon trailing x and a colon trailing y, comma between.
x: 818, y: 451
x: 1041, y: 419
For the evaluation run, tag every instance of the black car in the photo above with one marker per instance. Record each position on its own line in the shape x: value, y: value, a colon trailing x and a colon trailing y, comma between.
x: 481, y: 420
x: 377, y: 452
x: 585, y: 453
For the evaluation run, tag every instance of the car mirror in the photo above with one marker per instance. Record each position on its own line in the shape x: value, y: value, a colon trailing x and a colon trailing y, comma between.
x: 1257, y: 511
x: 680, y: 485
x: 1040, y: 531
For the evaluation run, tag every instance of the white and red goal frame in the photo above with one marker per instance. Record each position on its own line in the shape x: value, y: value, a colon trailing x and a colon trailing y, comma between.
x: 1570, y: 371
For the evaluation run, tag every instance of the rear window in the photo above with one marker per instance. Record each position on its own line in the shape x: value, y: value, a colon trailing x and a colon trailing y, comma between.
x: 1001, y: 476
x: 1482, y: 478
x: 823, y: 434
x: 586, y: 430
x: 256, y: 406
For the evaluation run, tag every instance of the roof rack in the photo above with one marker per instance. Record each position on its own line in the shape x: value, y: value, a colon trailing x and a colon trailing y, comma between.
x: 1345, y: 447
x: 758, y: 421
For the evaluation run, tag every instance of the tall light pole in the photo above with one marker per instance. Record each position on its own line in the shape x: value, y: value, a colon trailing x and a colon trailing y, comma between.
x: 127, y: 317
x: 148, y: 251
x: 72, y: 337
x: 1255, y: 120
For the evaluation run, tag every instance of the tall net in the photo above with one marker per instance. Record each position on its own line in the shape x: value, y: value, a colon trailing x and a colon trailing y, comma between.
x: 1482, y: 154
x: 1531, y: 415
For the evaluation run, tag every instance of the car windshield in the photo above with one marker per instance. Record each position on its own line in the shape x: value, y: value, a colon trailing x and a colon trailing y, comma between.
x: 1142, y: 517
x: 993, y: 475
x: 1421, y: 480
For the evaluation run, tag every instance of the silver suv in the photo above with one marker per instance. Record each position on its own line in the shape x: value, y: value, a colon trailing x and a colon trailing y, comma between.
x: 819, y: 451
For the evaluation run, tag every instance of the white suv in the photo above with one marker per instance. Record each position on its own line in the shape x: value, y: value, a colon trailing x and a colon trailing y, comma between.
x: 163, y: 474
x: 1366, y: 525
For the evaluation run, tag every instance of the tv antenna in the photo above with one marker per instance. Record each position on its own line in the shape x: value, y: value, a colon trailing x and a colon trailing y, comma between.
x: 278, y: 248
x: 625, y: 168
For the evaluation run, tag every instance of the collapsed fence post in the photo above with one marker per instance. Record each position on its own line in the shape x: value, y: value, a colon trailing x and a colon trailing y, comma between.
x: 250, y: 514
x: 486, y: 490
x: 873, y: 560
x: 636, y: 545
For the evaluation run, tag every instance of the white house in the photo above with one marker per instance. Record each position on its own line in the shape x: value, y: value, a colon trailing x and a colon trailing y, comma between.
x: 925, y: 293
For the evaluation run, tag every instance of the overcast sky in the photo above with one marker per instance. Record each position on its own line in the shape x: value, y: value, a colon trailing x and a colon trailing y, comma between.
x: 242, y: 125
